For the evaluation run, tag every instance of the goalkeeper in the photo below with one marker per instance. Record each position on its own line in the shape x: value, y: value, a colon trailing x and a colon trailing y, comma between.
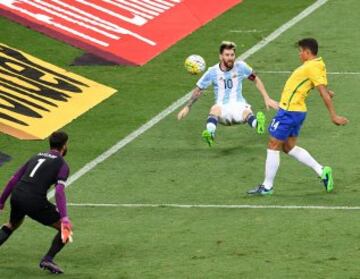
x: 28, y: 189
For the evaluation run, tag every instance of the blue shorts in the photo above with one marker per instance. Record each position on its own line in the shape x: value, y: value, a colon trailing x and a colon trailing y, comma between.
x: 286, y: 124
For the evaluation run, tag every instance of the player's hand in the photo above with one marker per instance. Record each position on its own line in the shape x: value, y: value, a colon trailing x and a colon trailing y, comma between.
x: 2, y: 207
x: 339, y: 120
x: 66, y: 230
x: 270, y: 103
x: 182, y: 114
x: 331, y: 93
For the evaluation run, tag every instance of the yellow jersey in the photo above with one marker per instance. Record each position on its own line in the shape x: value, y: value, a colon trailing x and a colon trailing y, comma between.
x: 310, y: 74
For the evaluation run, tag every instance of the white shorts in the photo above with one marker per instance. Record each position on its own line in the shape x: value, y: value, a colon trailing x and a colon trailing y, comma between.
x: 233, y: 113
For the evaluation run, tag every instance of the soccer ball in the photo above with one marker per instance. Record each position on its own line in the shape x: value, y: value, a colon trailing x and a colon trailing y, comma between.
x: 195, y: 64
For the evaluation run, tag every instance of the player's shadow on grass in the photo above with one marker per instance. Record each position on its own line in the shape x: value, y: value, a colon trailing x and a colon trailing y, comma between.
x: 217, y: 151
x: 239, y: 149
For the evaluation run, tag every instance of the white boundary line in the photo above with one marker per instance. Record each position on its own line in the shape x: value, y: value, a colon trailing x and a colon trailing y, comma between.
x: 289, y: 72
x: 219, y: 206
x: 119, y: 145
x: 283, y: 28
x: 246, y: 31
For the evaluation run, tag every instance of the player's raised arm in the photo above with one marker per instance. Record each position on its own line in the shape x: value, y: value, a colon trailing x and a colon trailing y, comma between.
x: 196, y: 94
x: 269, y: 103
x: 327, y: 98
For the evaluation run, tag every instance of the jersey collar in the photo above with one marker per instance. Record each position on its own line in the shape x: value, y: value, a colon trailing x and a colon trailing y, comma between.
x: 223, y: 70
x: 314, y: 59
x: 55, y: 152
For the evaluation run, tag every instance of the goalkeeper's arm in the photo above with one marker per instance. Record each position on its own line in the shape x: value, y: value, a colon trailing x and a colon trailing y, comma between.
x: 11, y: 185
x: 66, y: 227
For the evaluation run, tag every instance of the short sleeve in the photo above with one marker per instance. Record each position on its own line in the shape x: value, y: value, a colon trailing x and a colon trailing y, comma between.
x: 317, y: 75
x: 63, y: 174
x: 246, y: 70
x: 206, y: 80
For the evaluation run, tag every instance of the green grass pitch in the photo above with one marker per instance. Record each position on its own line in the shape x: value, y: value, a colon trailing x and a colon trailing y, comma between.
x: 170, y: 163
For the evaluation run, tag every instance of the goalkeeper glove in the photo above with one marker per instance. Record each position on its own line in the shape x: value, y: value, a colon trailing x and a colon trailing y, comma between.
x: 66, y: 230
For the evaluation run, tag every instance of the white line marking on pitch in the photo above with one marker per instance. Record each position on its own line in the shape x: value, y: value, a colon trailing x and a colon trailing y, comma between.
x: 220, y: 206
x: 246, y: 31
x: 283, y: 28
x: 289, y: 72
x: 119, y: 145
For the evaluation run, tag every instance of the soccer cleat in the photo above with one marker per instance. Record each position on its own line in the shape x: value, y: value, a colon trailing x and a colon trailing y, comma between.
x: 327, y: 178
x: 208, y: 137
x: 260, y: 190
x: 260, y: 126
x: 51, y: 266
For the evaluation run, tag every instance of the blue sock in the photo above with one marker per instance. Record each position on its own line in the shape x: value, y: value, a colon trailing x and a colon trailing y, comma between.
x: 252, y: 121
x: 211, y: 123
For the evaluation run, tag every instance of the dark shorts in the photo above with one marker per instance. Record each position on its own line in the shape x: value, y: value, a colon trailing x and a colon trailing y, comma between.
x: 286, y: 124
x: 38, y: 209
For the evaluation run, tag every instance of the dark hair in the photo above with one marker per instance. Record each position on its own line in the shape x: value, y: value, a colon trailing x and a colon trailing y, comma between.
x: 227, y: 45
x: 58, y: 139
x: 310, y: 44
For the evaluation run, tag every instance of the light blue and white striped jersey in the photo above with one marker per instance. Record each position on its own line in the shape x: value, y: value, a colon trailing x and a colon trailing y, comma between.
x: 227, y: 85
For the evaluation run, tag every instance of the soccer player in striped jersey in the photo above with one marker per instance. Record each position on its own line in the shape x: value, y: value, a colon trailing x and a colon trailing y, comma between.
x: 230, y: 105
x: 28, y: 189
x: 285, y: 126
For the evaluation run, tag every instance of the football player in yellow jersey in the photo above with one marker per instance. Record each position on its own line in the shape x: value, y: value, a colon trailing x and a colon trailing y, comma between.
x: 285, y: 126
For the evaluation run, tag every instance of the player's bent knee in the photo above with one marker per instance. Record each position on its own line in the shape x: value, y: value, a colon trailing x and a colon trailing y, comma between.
x: 287, y: 148
x: 247, y: 113
x: 275, y: 144
x: 14, y: 226
x: 57, y: 225
x: 215, y: 110
x: 289, y: 145
x: 9, y: 226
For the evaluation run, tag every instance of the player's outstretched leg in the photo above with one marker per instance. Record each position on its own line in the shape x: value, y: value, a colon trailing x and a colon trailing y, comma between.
x: 257, y: 122
x: 209, y: 134
x: 305, y: 157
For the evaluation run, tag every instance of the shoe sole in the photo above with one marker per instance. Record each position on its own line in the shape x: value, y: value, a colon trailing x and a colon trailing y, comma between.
x: 207, y: 138
x: 49, y: 269
x: 330, y: 183
x: 266, y: 193
x: 260, y: 117
x: 269, y: 193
